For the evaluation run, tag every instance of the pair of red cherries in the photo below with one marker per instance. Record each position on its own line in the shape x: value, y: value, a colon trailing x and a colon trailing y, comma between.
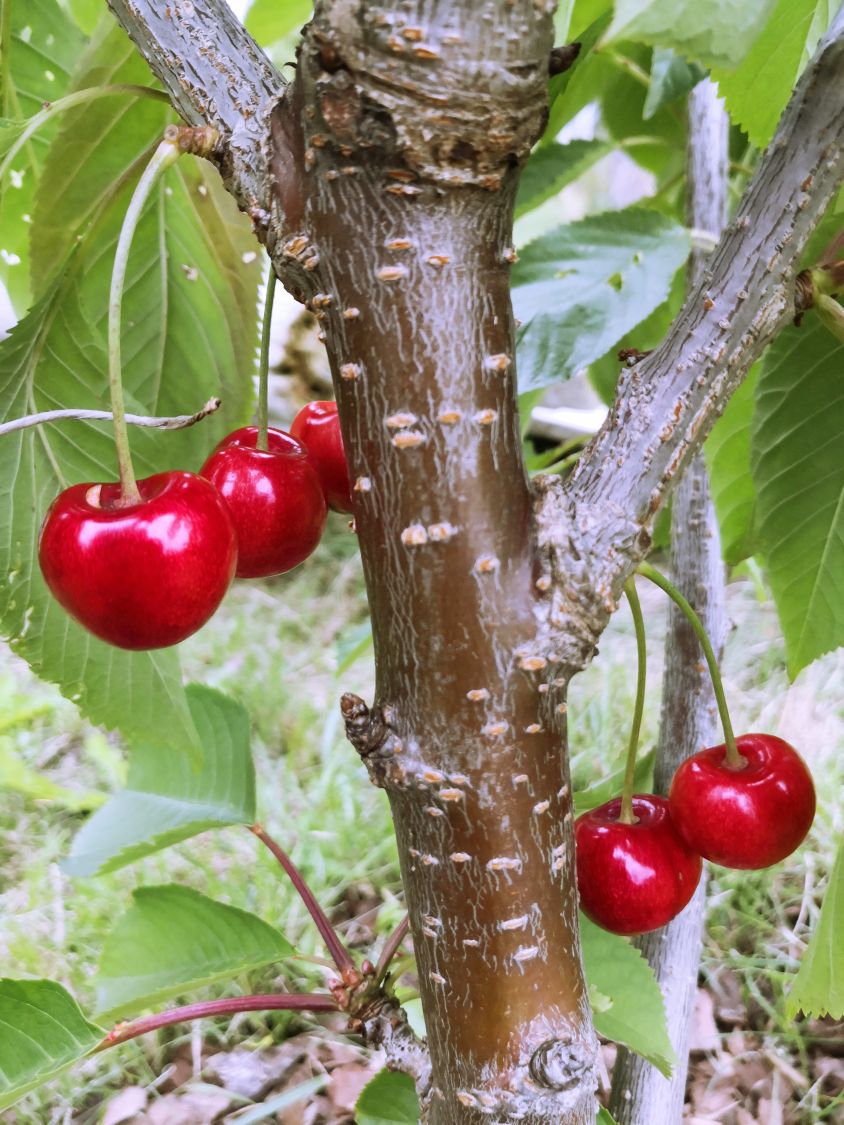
x: 149, y: 574
x: 636, y: 877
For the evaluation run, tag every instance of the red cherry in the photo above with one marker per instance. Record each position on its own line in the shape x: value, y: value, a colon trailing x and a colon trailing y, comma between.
x: 143, y: 575
x: 745, y: 818
x: 633, y: 877
x: 318, y: 428
x: 274, y: 496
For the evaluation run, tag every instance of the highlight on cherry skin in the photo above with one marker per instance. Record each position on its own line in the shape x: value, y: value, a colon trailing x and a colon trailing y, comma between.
x: 139, y: 575
x: 633, y: 877
x: 275, y: 498
x: 745, y: 818
x: 317, y: 426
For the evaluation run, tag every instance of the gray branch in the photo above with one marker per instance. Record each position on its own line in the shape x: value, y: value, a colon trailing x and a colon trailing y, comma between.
x: 216, y: 74
x: 595, y: 528
x: 640, y: 1094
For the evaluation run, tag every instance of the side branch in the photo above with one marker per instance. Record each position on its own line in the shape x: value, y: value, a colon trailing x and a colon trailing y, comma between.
x: 594, y: 529
x: 216, y: 75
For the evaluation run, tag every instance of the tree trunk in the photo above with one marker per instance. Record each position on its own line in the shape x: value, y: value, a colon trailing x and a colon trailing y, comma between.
x: 412, y: 241
x: 640, y: 1094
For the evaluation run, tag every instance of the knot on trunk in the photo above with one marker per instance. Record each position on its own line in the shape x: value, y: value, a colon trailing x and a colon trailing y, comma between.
x: 456, y: 103
x: 560, y: 1064
x: 369, y: 731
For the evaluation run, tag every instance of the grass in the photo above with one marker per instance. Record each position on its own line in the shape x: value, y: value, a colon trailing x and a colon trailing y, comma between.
x: 277, y: 647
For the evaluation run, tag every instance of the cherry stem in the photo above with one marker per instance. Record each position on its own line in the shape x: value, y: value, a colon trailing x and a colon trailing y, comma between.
x: 733, y: 759
x: 272, y: 1002
x: 391, y: 948
x: 167, y: 153
x: 339, y: 954
x: 627, y: 816
x: 264, y: 369
x: 81, y: 97
x: 177, y: 422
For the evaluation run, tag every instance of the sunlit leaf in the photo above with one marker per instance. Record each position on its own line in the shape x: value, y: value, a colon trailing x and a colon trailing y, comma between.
x: 171, y: 796
x: 172, y: 940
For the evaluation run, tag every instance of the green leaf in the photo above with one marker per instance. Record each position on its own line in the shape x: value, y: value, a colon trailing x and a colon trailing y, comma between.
x: 42, y: 1032
x: 169, y: 796
x: 818, y: 988
x: 44, y: 47
x: 190, y: 321
x: 269, y: 21
x: 648, y: 334
x: 579, y: 288
x: 46, y: 361
x: 173, y: 940
x: 636, y: 1018
x: 551, y: 167
x: 189, y: 332
x: 727, y: 452
x: 671, y: 78
x: 715, y: 32
x: 798, y: 471
x: 609, y: 787
x: 756, y: 91
x: 605, y: 1117
x: 389, y: 1099
x: 86, y: 13
x: 583, y: 83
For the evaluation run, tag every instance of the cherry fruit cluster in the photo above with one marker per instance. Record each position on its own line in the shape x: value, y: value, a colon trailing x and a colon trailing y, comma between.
x: 746, y: 803
x: 637, y: 877
x: 148, y: 573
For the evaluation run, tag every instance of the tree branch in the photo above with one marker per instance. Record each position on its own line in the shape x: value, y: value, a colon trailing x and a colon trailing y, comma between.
x: 230, y: 1005
x: 596, y: 527
x: 217, y: 75
x: 640, y: 1094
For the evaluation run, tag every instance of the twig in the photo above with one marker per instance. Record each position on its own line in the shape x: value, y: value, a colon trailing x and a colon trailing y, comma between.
x: 391, y: 948
x: 272, y: 1002
x: 340, y: 955
x: 177, y: 422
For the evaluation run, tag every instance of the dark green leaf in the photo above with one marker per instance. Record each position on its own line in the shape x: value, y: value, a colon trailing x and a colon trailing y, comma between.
x: 42, y: 1032
x: 579, y: 288
x: 48, y: 360
x: 551, y: 167
x: 715, y: 32
x: 818, y: 989
x: 170, y: 796
x: 637, y: 1016
x: 389, y: 1099
x: 581, y: 84
x: 728, y: 460
x: 671, y: 78
x: 189, y: 332
x: 648, y: 334
x: 756, y: 91
x: 798, y: 470
x: 173, y: 940
x: 44, y: 47
x: 86, y: 13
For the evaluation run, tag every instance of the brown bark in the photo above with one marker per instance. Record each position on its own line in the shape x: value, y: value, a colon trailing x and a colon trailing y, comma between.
x: 393, y: 165
x: 408, y: 213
